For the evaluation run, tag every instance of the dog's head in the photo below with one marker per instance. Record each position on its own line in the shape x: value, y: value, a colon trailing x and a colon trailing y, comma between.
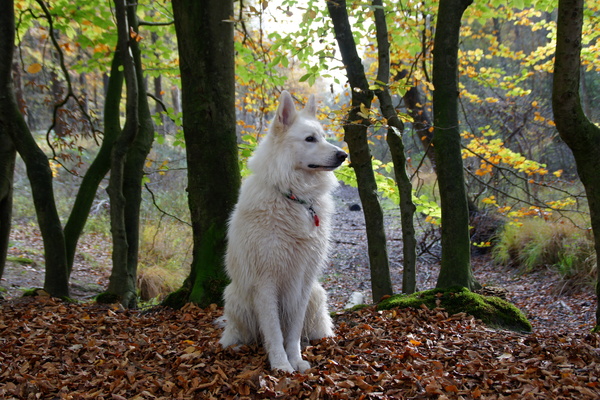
x: 303, y: 135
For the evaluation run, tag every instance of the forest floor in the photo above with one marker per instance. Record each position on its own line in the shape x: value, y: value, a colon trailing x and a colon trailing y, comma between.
x: 50, y: 349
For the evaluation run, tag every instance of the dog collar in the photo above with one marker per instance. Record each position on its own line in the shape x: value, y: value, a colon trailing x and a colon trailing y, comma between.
x: 306, y: 205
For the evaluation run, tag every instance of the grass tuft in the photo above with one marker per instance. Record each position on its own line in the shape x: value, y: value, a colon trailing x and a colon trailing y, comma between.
x: 165, y: 253
x: 538, y: 243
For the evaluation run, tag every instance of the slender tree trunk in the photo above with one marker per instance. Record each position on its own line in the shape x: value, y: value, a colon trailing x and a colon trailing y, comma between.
x: 101, y: 164
x: 158, y: 93
x: 136, y: 156
x: 122, y: 282
x: 394, y: 140
x: 56, y: 280
x: 421, y: 120
x: 8, y: 154
x: 355, y: 130
x: 578, y: 132
x: 205, y: 41
x: 456, y: 248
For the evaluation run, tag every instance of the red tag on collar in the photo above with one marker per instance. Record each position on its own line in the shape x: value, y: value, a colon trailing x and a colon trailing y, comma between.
x: 317, y: 221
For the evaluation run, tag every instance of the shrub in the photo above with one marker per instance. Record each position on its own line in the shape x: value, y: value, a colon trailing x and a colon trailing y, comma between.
x: 538, y: 243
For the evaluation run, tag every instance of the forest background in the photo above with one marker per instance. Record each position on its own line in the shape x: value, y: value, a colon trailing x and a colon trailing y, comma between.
x: 525, y: 200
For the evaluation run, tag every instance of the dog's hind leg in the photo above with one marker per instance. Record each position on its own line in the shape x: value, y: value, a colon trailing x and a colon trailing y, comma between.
x: 240, y: 325
x: 265, y: 302
x: 317, y: 323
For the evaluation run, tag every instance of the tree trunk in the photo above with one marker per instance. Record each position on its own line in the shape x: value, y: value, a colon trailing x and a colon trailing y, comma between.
x: 579, y: 133
x: 394, y: 140
x: 136, y: 156
x: 101, y: 164
x: 122, y: 282
x: 56, y: 280
x: 455, y: 267
x: 7, y: 168
x: 421, y: 120
x: 158, y: 93
x: 205, y: 41
x: 355, y: 130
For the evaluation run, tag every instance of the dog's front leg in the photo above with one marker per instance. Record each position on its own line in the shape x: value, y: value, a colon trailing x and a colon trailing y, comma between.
x: 265, y: 304
x: 294, y: 332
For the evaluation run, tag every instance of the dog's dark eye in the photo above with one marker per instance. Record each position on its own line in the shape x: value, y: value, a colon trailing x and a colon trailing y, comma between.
x: 311, y: 139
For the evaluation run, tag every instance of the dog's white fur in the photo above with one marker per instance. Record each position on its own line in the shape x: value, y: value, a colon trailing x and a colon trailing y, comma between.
x: 276, y: 248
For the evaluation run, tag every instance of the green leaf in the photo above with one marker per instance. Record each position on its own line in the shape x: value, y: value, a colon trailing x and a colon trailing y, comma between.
x: 304, y: 77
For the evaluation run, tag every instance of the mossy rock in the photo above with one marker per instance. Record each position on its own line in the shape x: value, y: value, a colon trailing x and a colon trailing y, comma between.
x: 492, y: 311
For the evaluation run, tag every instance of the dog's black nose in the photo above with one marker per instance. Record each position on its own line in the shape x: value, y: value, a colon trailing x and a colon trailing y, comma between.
x: 341, y: 156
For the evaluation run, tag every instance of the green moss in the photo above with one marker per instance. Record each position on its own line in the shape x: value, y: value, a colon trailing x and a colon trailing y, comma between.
x: 35, y: 292
x: 358, y: 307
x: 108, y: 298
x: 492, y: 311
x: 20, y: 260
x: 178, y: 298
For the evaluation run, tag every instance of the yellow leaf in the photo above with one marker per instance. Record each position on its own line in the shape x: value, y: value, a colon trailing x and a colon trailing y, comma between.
x: 34, y: 68
x: 364, y: 111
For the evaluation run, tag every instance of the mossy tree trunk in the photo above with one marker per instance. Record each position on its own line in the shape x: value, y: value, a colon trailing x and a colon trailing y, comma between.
x: 205, y: 41
x: 355, y: 130
x: 578, y: 132
x: 56, y: 280
x: 455, y: 267
x: 394, y: 141
x: 122, y: 283
x: 136, y: 156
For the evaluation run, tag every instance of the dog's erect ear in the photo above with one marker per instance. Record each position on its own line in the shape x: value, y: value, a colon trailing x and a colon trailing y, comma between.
x: 286, y: 112
x: 311, y: 106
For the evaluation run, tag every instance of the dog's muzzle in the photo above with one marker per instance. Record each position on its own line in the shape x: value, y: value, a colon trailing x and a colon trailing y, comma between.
x: 337, y: 160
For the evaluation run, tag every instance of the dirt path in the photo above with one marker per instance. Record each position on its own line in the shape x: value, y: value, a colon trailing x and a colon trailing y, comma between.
x: 538, y: 294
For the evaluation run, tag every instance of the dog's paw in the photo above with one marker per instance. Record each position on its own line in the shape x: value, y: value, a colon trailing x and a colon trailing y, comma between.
x: 220, y: 322
x: 229, y: 339
x: 283, y: 366
x: 301, y: 365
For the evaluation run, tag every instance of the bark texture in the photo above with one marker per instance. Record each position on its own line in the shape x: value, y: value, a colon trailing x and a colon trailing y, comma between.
x: 456, y: 249
x: 394, y: 141
x: 122, y: 282
x: 205, y: 41
x: 8, y: 154
x: 578, y: 132
x: 355, y: 130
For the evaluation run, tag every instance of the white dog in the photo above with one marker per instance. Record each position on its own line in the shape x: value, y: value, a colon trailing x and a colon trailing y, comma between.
x: 278, y: 239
